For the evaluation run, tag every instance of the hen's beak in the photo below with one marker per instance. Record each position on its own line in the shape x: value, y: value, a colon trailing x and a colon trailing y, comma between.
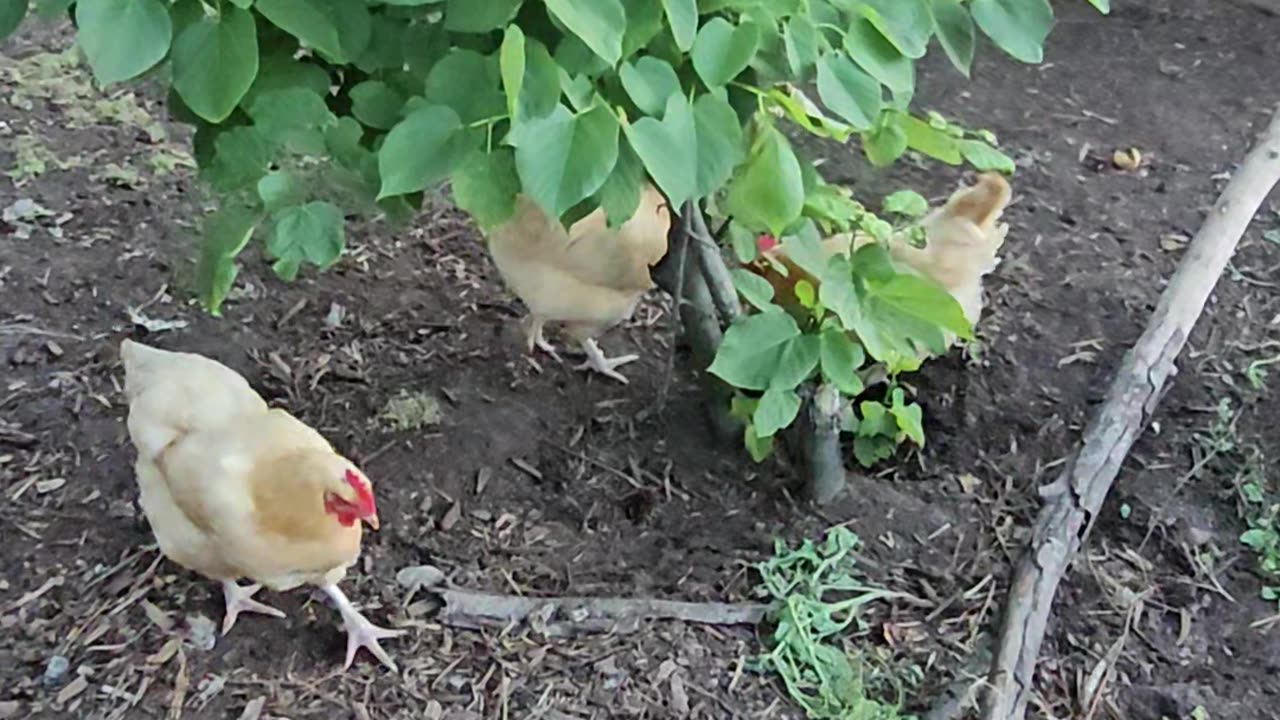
x: 371, y: 521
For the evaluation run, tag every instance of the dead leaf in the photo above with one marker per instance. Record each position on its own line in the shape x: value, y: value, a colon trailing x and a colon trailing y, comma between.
x: 50, y: 485
x: 157, y: 616
x: 72, y: 689
x: 253, y: 710
x: 968, y: 483
x: 451, y: 517
x: 679, y: 698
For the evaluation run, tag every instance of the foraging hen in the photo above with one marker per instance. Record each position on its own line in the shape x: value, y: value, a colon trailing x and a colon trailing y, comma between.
x: 235, y: 489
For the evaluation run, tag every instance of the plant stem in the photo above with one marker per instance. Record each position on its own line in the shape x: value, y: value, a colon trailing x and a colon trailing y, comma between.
x: 820, y: 444
x: 714, y: 271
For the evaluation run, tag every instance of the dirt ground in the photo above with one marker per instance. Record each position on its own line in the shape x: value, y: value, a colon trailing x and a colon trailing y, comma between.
x: 540, y: 481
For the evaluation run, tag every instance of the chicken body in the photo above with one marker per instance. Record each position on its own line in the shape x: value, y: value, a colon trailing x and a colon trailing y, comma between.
x: 962, y: 239
x: 235, y: 489
x: 590, y: 278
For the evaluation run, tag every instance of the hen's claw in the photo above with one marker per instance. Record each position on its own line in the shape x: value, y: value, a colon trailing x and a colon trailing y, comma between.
x: 361, y: 632
x: 240, y: 599
x: 603, y: 365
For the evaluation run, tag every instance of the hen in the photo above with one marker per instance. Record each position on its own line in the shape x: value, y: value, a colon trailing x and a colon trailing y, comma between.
x: 590, y: 278
x: 961, y: 241
x: 235, y: 489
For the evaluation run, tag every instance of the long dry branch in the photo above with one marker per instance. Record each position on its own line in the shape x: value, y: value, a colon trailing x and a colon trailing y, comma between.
x: 1076, y: 496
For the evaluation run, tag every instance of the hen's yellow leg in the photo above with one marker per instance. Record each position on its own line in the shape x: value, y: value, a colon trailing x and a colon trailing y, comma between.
x: 361, y: 632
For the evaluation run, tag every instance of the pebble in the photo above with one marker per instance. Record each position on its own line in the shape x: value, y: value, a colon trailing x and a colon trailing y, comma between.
x: 55, y: 671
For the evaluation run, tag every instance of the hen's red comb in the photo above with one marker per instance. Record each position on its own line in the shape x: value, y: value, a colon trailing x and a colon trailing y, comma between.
x: 362, y: 491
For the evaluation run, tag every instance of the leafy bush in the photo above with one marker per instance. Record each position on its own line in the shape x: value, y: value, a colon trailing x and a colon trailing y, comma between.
x: 307, y: 109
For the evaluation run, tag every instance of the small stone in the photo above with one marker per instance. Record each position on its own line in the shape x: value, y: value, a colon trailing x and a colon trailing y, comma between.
x: 55, y: 671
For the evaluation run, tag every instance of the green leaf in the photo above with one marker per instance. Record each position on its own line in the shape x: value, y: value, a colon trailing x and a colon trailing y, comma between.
x: 767, y: 192
x: 749, y: 354
x: 886, y: 143
x: 1018, y: 27
x: 469, y: 16
x: 469, y: 83
x: 797, y: 362
x: 871, y: 450
x: 644, y: 22
x: 376, y: 104
x: 925, y: 138
x: 898, y: 311
x: 122, y: 38
x: 12, y: 13
x: 984, y: 157
x: 563, y: 158
x: 669, y: 149
x: 753, y: 288
x: 723, y: 50
x: 307, y: 21
x: 355, y: 27
x: 906, y: 24
x: 294, y: 117
x: 281, y: 72
x: 311, y: 233
x: 279, y: 189
x: 840, y: 358
x: 848, y: 91
x: 598, y: 23
x: 905, y: 202
x: 385, y: 49
x: 424, y: 44
x: 240, y: 157
x: 801, y: 40
x: 511, y: 66
x: 649, y: 81
x: 416, y: 153
x: 1255, y: 538
x: 758, y: 447
x: 909, y: 416
x: 873, y: 53
x: 620, y: 194
x: 719, y: 143
x: 226, y: 233
x: 485, y: 186
x: 215, y: 62
x: 776, y: 411
x: 1103, y: 6
x: 682, y: 16
x: 954, y: 27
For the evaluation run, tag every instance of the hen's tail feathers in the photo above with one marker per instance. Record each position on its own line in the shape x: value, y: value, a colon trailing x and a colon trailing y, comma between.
x: 981, y: 203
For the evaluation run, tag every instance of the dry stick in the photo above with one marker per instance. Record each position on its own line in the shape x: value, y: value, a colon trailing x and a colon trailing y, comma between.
x: 1077, y: 494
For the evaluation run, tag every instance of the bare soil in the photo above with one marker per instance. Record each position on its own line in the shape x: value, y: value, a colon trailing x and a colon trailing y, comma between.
x: 538, y: 480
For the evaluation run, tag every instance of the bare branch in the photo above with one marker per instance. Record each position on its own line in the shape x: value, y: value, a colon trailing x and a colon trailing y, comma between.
x: 1077, y: 495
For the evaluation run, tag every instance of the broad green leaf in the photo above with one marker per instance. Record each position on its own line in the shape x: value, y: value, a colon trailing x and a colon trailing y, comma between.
x: 417, y: 153
x: 876, y: 55
x: 669, y: 149
x: 749, y: 354
x: 644, y: 22
x: 906, y: 24
x: 870, y: 450
x: 280, y: 72
x: 13, y: 11
x: 563, y: 158
x: 620, y: 194
x: 723, y: 50
x: 411, y: 3
x: 719, y: 143
x: 1103, y: 6
x: 682, y: 16
x: 1018, y: 27
x: 295, y: 117
x: 840, y: 358
x: 848, y: 92
x: 424, y: 44
x: 797, y: 362
x: 226, y: 232
x: 753, y: 288
x: 757, y: 447
x: 838, y: 293
x: 355, y: 27
x: 577, y: 59
x: 376, y: 104
x: 343, y: 142
x: 776, y: 411
x: 832, y: 207
x: 897, y: 312
x: 598, y: 23
x: 511, y: 66
x: 886, y: 142
x: 905, y: 202
x: 802, y: 43
x: 925, y: 138
x: 215, y: 62
x: 470, y: 16
x: 875, y: 420
x: 1255, y: 538
x: 311, y: 233
x: 485, y: 186
x: 278, y: 189
x: 804, y: 248
x: 579, y: 89
x: 385, y: 49
x: 954, y: 26
x: 50, y: 9
x: 469, y: 83
x: 766, y: 193
x: 540, y: 93
x: 122, y: 38
x: 984, y: 157
x: 306, y: 20
x: 909, y: 416
x: 241, y: 156
x: 649, y: 81
x: 743, y: 242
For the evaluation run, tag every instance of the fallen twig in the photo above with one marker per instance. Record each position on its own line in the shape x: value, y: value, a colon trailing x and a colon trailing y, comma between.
x: 570, y: 615
x: 1074, y: 499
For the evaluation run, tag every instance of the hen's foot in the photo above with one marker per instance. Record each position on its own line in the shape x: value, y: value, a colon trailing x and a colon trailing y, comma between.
x: 361, y: 632
x: 603, y: 365
x: 240, y: 599
x: 533, y: 329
